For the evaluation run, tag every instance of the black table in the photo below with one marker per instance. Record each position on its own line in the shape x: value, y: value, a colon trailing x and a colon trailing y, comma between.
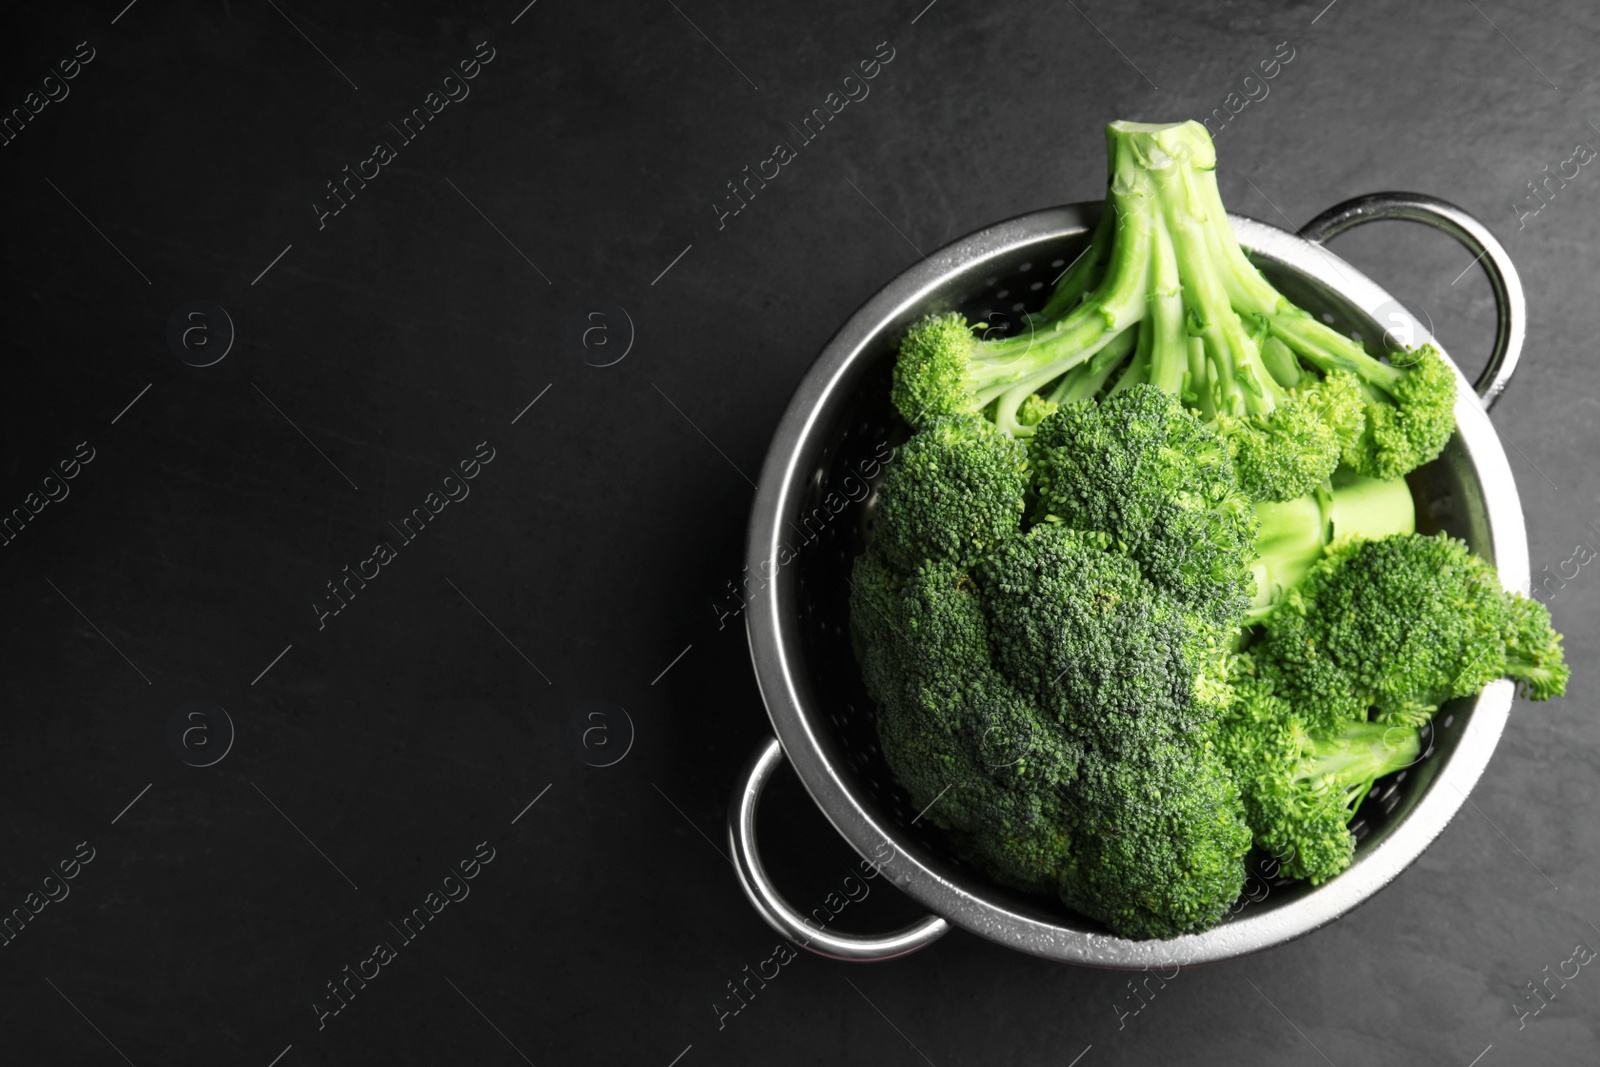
x: 447, y: 526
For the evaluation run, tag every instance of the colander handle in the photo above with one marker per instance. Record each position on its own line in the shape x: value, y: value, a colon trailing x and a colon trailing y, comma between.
x: 771, y: 905
x: 1511, y: 307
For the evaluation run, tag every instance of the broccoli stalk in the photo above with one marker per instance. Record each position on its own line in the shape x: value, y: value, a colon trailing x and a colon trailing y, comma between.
x: 1404, y: 411
x: 943, y: 369
x: 1087, y: 379
x: 1082, y: 274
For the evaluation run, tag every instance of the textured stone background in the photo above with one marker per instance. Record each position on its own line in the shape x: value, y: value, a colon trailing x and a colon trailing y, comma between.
x: 421, y: 720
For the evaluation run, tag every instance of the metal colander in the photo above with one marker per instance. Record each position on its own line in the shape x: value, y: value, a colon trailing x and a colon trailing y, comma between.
x: 808, y: 525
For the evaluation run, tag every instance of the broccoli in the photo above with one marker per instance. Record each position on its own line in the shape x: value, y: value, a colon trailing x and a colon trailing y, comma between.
x: 1140, y: 468
x: 965, y: 744
x: 1079, y: 627
x: 1053, y: 711
x: 1295, y: 534
x: 1143, y: 586
x: 1088, y: 378
x: 1159, y: 838
x: 1404, y: 411
x: 1136, y: 683
x: 1301, y: 788
x: 1400, y: 625
x: 1164, y: 296
x: 954, y: 491
x: 943, y: 369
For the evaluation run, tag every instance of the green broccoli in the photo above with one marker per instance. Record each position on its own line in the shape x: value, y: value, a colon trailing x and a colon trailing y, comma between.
x: 1295, y: 534
x: 1091, y: 518
x: 1406, y: 405
x: 1030, y: 772
x: 954, y: 491
x: 1159, y: 838
x: 1080, y: 628
x: 1300, y: 788
x: 964, y: 743
x: 1135, y: 681
x: 1400, y: 625
x: 1085, y: 381
x: 943, y: 369
x: 1140, y: 468
x: 1164, y: 296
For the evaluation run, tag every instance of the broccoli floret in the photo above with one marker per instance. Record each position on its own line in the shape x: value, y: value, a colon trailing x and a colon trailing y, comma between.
x: 1407, y: 403
x: 1136, y: 682
x: 1032, y: 410
x: 1096, y: 783
x: 954, y: 492
x: 922, y: 641
x: 1402, y: 624
x: 966, y: 745
x: 1159, y: 839
x: 1081, y: 629
x: 874, y: 631
x: 1301, y: 788
x: 1138, y: 467
x: 1533, y: 650
x: 944, y: 369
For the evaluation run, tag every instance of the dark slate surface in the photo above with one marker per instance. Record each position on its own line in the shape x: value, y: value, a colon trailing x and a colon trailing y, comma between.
x: 374, y: 351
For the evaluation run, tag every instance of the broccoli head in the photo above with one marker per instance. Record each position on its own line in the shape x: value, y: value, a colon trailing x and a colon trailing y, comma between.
x: 1401, y: 624
x: 1140, y: 468
x: 1408, y: 402
x: 1159, y: 838
x: 1078, y: 626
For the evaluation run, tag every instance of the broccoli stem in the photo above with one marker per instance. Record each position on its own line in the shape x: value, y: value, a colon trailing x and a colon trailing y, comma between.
x: 1200, y: 388
x: 1086, y: 379
x: 1327, y: 349
x: 1369, y: 507
x: 1280, y: 362
x: 1168, y: 353
x: 1251, y: 294
x: 1361, y: 754
x: 1243, y: 385
x: 1010, y: 369
x: 1138, y: 369
x: 1291, y: 538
